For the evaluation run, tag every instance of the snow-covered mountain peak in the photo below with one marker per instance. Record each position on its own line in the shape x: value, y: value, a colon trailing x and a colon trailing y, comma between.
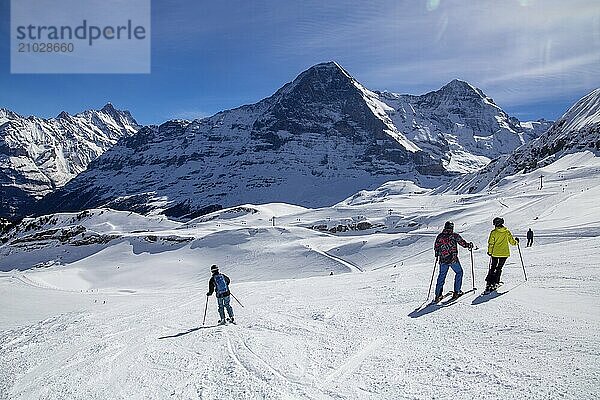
x: 39, y: 155
x: 63, y: 115
x: 458, y: 124
x: 314, y: 142
x: 317, y: 80
x: 329, y: 100
x: 329, y: 67
x: 6, y: 114
x: 462, y: 90
x: 577, y: 130
x: 109, y: 109
x: 585, y: 112
x: 317, y: 140
x: 460, y: 86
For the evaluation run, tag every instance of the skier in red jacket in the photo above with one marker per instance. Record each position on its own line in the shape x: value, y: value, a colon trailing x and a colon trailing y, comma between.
x: 446, y: 252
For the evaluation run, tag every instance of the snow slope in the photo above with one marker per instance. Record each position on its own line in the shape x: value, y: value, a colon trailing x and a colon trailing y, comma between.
x: 126, y: 321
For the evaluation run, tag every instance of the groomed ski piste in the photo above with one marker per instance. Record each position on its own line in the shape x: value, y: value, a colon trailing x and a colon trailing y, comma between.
x: 122, y: 318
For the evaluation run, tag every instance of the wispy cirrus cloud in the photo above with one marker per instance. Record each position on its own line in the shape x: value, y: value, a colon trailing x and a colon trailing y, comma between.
x: 211, y: 56
x: 519, y: 51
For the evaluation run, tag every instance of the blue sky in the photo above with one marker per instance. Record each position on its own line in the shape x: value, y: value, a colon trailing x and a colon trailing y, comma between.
x: 534, y: 57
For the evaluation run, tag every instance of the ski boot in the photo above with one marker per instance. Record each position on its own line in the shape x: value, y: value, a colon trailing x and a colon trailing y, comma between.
x: 456, y: 295
x: 221, y: 322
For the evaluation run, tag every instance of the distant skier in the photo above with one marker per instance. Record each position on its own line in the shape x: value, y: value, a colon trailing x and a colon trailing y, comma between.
x: 446, y: 252
x: 219, y: 283
x: 529, y: 238
x: 498, y: 250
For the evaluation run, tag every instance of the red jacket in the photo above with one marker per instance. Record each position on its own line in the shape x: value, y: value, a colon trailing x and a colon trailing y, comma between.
x: 445, y: 246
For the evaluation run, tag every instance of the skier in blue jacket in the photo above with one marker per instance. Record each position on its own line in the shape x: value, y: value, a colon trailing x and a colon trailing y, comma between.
x: 219, y: 283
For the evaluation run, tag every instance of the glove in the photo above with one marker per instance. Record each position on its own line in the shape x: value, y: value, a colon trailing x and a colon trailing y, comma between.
x: 208, y: 294
x: 517, y: 240
x: 471, y: 245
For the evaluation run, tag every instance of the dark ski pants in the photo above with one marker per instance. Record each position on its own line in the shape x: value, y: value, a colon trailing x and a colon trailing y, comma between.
x: 493, y: 276
x: 223, y: 303
x: 458, y: 275
x: 529, y: 242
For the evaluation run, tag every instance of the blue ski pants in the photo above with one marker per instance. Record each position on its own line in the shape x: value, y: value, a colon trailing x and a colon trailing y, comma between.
x: 223, y: 303
x: 458, y: 275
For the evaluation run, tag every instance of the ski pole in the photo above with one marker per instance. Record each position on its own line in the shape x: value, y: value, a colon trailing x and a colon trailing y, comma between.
x: 205, y: 308
x: 472, y: 268
x: 522, y: 263
x: 432, y: 276
x: 237, y: 300
x: 489, y: 273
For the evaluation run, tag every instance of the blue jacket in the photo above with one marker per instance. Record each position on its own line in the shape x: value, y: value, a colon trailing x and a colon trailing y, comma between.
x: 212, y: 285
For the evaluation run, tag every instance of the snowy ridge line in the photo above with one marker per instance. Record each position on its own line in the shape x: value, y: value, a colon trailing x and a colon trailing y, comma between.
x: 575, y: 132
x: 31, y: 171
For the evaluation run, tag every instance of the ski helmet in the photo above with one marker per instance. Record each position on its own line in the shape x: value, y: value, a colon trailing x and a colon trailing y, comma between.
x: 214, y: 268
x: 449, y: 225
x: 498, y: 221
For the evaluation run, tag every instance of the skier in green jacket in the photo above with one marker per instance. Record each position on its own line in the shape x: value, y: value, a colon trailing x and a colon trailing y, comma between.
x: 498, y: 250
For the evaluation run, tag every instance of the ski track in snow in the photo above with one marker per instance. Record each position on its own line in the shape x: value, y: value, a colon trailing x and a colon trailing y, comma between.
x: 347, y: 336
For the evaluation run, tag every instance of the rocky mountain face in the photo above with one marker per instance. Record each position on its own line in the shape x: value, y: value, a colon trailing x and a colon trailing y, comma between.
x: 37, y: 155
x: 460, y: 125
x: 577, y: 130
x: 316, y: 141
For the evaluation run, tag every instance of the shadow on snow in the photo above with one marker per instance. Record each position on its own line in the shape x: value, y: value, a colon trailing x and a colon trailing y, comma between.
x: 419, y: 312
x: 188, y: 331
x: 431, y: 307
x: 484, y: 298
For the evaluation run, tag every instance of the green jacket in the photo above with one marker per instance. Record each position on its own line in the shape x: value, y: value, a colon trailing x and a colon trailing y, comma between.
x: 498, y: 242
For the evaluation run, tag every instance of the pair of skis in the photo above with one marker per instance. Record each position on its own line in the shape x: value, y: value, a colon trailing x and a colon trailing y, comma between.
x: 446, y: 300
x: 449, y: 293
x: 452, y: 299
x: 228, y: 322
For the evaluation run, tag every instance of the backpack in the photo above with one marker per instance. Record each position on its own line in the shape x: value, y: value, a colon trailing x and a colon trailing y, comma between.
x: 220, y: 284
